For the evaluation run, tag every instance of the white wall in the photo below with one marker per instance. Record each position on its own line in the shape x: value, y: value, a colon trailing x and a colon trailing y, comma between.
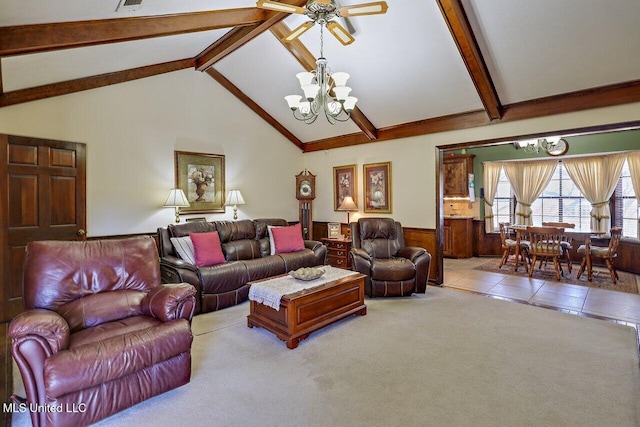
x: 413, y: 162
x: 131, y: 131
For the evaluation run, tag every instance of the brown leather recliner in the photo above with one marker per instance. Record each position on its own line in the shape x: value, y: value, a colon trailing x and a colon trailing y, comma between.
x: 100, y: 332
x: 392, y: 269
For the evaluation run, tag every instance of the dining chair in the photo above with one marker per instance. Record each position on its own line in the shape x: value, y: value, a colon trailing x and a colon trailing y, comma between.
x: 545, y: 244
x: 509, y: 246
x: 566, y: 243
x: 607, y: 253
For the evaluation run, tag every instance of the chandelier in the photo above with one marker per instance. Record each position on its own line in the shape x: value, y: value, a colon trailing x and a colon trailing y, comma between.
x: 316, y: 86
x: 553, y: 146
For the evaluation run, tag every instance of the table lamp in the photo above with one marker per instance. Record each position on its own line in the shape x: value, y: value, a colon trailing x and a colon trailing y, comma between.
x: 234, y: 198
x: 177, y: 200
x: 350, y: 206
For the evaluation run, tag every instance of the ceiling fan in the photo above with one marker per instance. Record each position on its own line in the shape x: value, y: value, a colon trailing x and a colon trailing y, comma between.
x: 322, y: 12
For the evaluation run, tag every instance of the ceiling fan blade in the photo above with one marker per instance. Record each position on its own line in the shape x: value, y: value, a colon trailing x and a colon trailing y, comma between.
x: 279, y: 7
x: 325, y: 2
x: 300, y: 30
x: 340, y: 33
x: 374, y: 8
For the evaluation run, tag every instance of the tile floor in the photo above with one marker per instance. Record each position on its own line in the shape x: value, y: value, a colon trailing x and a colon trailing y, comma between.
x: 610, y: 305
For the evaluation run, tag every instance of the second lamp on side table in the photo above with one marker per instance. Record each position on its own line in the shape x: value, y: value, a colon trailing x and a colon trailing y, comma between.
x: 338, y: 252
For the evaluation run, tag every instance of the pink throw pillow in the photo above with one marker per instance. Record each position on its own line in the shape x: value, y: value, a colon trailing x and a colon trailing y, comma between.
x: 288, y: 239
x: 207, y: 249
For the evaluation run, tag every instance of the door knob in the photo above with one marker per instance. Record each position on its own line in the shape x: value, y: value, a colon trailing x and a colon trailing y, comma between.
x: 81, y: 232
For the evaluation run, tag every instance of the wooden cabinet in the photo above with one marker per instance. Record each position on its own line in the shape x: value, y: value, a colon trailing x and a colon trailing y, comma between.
x: 455, y: 173
x: 458, y: 237
x: 338, y: 252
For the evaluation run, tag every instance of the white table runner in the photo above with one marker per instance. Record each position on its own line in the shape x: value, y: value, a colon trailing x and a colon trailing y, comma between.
x: 271, y: 291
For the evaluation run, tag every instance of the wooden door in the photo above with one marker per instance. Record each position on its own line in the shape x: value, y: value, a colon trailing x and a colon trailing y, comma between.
x: 43, y: 198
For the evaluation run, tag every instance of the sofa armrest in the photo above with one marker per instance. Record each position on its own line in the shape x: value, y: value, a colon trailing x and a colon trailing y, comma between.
x: 411, y: 252
x: 170, y: 301
x: 359, y: 253
x: 48, y: 327
x: 37, y: 335
x: 318, y: 249
x: 176, y: 262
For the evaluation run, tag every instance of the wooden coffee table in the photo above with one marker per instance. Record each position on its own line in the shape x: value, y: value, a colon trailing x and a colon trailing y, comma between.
x: 311, y: 309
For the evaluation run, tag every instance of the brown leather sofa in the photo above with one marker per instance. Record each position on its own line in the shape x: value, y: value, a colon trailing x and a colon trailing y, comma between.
x: 392, y: 269
x: 247, y: 250
x: 100, y: 332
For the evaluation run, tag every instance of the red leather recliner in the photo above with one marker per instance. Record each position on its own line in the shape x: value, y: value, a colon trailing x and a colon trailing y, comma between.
x: 100, y: 332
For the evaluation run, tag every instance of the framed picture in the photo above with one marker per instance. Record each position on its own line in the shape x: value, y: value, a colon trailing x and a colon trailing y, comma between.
x: 197, y: 219
x: 333, y: 230
x: 201, y: 177
x: 377, y: 187
x: 344, y: 184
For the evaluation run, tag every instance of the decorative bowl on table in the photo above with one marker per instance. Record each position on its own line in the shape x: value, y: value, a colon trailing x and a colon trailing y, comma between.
x: 307, y: 273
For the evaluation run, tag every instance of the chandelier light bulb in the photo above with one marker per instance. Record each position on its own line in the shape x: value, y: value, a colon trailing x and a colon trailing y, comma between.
x: 305, y: 78
x: 341, y: 92
x: 340, y: 78
x: 350, y: 103
x: 293, y: 101
x: 310, y: 91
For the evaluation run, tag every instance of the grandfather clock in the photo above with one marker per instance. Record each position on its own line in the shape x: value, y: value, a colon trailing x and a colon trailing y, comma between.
x: 305, y: 193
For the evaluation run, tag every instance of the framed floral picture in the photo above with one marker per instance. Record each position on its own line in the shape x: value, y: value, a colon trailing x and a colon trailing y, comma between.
x: 201, y: 177
x: 377, y: 187
x: 344, y: 184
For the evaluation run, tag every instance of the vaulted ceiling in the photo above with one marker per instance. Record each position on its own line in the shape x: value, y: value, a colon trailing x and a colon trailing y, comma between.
x: 425, y: 66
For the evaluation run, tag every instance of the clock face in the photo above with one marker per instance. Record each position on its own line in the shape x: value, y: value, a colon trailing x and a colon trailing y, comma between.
x: 559, y: 148
x: 305, y: 188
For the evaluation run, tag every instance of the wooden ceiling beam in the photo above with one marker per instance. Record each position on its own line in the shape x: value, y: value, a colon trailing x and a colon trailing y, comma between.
x: 308, y: 62
x: 216, y: 75
x: 23, y: 39
x: 605, y: 96
x: 86, y: 83
x: 458, y: 23
x: 237, y: 37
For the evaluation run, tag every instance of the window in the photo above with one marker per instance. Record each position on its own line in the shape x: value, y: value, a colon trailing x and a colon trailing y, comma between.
x: 625, y: 211
x: 503, y: 203
x: 562, y: 201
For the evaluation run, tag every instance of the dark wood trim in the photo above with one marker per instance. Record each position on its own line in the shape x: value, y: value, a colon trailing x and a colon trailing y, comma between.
x: 86, y: 83
x: 605, y: 96
x: 462, y: 33
x: 421, y: 127
x: 1, y: 90
x: 238, y: 37
x: 295, y: 47
x: 22, y: 39
x: 234, y: 90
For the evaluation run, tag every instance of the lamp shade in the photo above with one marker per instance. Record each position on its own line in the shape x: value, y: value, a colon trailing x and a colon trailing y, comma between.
x: 348, y: 204
x: 234, y: 198
x: 176, y: 199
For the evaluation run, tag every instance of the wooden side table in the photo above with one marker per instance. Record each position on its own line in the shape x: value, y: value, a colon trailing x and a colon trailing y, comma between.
x: 338, y: 252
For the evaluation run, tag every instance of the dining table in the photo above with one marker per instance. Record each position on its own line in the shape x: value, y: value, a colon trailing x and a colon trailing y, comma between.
x: 521, y: 230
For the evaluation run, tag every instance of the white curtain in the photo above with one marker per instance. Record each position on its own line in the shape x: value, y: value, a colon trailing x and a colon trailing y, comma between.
x: 491, y: 178
x: 528, y: 180
x: 633, y: 158
x: 596, y: 177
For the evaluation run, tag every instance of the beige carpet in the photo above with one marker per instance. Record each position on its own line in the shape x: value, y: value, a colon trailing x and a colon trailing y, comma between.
x: 600, y: 279
x: 447, y: 358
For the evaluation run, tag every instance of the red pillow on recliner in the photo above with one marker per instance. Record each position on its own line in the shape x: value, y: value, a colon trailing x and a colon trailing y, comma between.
x: 288, y: 239
x: 207, y: 249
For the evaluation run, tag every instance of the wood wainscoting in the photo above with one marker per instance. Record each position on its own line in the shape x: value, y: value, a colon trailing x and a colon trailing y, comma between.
x: 420, y: 237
